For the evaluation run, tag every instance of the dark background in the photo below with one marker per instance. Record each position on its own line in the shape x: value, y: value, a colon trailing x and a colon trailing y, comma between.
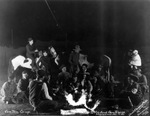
x: 109, y: 26
x: 104, y: 23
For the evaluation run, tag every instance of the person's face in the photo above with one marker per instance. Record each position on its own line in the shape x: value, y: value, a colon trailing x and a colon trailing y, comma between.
x: 100, y: 67
x: 84, y: 68
x: 75, y: 79
x: 53, y: 52
x: 24, y: 75
x: 130, y: 80
x: 77, y: 49
x: 11, y: 81
x: 40, y: 53
x: 45, y: 53
x: 64, y: 69
x: 31, y: 42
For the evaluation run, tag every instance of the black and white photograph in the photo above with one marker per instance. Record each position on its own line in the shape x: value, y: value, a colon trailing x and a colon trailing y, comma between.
x: 74, y: 57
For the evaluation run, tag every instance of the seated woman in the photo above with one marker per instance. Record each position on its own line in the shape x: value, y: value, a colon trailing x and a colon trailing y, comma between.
x: 9, y: 90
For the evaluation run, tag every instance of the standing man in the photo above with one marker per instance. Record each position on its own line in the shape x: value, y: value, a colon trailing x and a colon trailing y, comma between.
x: 74, y: 60
x: 30, y: 51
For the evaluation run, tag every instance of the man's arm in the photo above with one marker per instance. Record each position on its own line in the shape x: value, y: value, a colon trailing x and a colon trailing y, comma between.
x: 28, y: 50
x: 46, y: 91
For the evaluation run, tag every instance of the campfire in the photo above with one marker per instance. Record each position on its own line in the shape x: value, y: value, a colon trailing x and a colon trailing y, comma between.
x: 82, y: 101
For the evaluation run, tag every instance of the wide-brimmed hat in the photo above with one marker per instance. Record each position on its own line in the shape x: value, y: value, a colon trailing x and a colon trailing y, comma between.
x: 30, y: 39
x: 134, y: 77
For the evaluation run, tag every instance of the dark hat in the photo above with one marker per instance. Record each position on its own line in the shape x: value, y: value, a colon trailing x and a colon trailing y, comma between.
x: 84, y: 64
x: 62, y: 66
x: 24, y: 72
x: 134, y: 77
x: 30, y: 39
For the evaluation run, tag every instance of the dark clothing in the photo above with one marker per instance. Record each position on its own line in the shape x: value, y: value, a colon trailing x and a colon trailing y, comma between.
x: 54, y: 70
x: 35, y: 92
x: 74, y: 62
x: 62, y: 79
x: 44, y: 62
x: 38, y: 100
x: 30, y: 52
x: 143, y: 84
x: 23, y: 84
x: 135, y: 97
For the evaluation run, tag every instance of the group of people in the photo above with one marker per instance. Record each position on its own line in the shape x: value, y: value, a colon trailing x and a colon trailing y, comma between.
x: 45, y: 90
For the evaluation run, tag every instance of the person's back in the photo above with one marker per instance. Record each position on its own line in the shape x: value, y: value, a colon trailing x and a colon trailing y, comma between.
x: 35, y: 89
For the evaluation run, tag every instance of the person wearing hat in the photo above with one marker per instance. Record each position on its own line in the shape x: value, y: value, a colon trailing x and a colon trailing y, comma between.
x: 132, y: 90
x: 39, y: 97
x: 30, y: 50
x: 74, y: 60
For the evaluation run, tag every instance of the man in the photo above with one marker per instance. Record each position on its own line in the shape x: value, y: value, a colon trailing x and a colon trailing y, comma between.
x: 132, y: 91
x: 30, y: 50
x: 23, y: 84
x: 44, y: 62
x: 84, y: 77
x: 63, y: 77
x: 39, y: 96
x: 54, y: 64
x: 74, y: 60
x: 9, y: 90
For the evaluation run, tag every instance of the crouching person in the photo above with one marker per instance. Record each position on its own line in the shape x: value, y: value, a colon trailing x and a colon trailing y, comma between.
x: 9, y: 90
x: 39, y: 96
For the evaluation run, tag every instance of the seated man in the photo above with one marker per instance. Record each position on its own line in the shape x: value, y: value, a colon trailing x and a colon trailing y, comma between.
x: 39, y: 96
x: 63, y: 76
x: 132, y: 91
x: 23, y: 84
x: 31, y: 51
x: 9, y: 90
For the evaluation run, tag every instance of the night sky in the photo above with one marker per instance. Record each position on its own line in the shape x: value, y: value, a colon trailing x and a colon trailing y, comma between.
x: 98, y: 22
